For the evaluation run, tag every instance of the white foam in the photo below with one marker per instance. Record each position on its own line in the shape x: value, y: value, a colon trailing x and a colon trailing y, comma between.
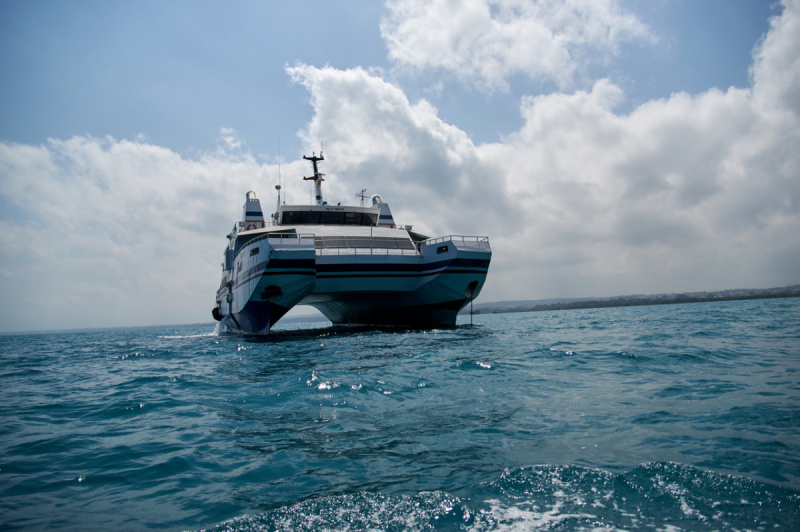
x: 512, y: 518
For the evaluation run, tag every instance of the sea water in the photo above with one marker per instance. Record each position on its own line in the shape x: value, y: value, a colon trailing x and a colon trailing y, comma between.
x: 680, y: 417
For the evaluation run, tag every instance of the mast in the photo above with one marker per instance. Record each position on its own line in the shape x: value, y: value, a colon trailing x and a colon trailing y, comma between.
x: 317, y: 175
x: 276, y: 217
x: 362, y: 195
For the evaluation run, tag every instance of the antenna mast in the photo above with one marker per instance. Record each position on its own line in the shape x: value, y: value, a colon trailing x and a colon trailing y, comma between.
x: 276, y: 216
x: 362, y: 195
x: 317, y: 175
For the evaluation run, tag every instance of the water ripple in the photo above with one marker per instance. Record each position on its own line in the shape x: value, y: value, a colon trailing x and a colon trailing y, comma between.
x: 676, y: 417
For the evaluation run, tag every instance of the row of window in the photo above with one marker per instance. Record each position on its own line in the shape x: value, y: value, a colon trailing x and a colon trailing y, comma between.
x: 363, y: 242
x: 327, y: 218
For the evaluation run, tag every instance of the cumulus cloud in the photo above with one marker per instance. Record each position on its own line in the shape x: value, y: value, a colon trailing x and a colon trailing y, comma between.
x: 486, y: 41
x: 115, y: 232
x: 376, y: 138
x: 689, y: 192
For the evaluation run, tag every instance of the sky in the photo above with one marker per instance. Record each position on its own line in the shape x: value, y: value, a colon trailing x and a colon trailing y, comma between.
x: 606, y: 147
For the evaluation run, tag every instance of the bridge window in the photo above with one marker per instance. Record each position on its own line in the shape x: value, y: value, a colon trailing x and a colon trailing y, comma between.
x: 310, y: 217
x: 327, y: 218
x: 291, y: 217
x: 332, y: 218
x: 352, y: 218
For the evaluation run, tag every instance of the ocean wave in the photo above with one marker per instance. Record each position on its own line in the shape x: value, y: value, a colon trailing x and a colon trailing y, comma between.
x: 655, y: 496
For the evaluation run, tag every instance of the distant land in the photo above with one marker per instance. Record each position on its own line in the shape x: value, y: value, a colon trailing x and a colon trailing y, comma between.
x: 540, y: 305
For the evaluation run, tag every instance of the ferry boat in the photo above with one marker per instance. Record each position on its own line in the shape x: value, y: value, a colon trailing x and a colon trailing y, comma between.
x: 352, y: 263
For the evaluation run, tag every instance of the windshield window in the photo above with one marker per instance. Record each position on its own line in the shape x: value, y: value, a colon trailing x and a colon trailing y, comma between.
x: 327, y: 218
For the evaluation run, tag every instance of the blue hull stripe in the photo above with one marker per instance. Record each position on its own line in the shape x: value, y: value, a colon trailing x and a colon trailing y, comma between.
x: 403, y: 275
x: 291, y: 263
x: 421, y: 267
x: 327, y: 271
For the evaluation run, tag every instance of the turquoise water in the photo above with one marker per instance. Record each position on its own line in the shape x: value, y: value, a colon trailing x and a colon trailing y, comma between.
x: 683, y: 417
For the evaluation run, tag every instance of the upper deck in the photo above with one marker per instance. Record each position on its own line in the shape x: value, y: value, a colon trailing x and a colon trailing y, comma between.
x: 337, y: 229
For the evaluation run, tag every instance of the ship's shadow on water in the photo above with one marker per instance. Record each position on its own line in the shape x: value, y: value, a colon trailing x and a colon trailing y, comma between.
x: 282, y: 335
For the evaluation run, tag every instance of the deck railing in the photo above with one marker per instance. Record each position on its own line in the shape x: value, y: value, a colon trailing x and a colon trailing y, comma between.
x: 240, y: 227
x: 365, y: 251
x: 474, y: 241
x: 363, y: 245
x: 282, y: 240
x: 288, y: 239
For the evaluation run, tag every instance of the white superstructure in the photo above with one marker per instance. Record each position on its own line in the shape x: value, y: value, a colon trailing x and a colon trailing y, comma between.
x: 352, y: 263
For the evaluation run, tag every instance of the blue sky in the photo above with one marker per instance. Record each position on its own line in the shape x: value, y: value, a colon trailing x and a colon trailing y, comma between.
x: 606, y: 147
x: 177, y: 72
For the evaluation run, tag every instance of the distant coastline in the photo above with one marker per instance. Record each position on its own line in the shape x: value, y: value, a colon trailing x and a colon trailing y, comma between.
x: 542, y: 305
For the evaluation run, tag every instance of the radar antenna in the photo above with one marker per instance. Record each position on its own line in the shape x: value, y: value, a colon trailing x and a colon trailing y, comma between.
x: 362, y: 195
x: 317, y: 175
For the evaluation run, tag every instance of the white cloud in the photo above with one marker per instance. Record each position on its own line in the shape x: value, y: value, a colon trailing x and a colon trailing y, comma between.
x: 118, y: 232
x: 683, y: 193
x: 776, y: 66
x: 486, y: 41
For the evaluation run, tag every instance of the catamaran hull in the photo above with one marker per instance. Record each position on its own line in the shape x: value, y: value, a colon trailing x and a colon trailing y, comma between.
x: 411, y: 287
x: 271, y: 276
x: 255, y: 318
x: 413, y: 292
